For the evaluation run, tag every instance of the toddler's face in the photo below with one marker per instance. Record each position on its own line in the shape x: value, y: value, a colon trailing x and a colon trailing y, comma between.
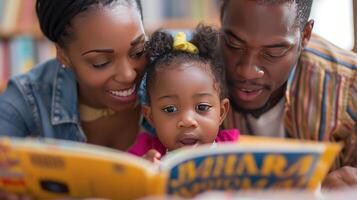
x: 185, y: 106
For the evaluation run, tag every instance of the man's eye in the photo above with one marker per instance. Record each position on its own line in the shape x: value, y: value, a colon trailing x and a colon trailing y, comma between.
x: 170, y: 109
x: 275, y: 54
x: 232, y: 43
x: 101, y: 65
x: 203, y: 107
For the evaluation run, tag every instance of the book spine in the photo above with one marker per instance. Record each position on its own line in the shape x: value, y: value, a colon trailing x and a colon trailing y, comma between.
x: 4, y: 64
x: 10, y: 18
x: 22, y: 56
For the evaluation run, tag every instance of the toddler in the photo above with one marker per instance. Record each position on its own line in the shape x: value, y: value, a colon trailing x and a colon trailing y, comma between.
x: 185, y: 86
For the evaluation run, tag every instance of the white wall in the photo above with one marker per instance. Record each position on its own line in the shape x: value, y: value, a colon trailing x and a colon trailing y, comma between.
x: 334, y: 21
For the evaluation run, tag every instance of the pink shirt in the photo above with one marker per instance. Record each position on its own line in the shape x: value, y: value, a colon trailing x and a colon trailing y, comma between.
x: 146, y: 141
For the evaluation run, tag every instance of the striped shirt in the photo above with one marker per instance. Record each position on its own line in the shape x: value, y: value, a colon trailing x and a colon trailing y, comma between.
x: 321, y: 99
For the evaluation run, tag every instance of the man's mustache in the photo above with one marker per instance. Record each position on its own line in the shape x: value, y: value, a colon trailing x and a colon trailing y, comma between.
x: 248, y: 82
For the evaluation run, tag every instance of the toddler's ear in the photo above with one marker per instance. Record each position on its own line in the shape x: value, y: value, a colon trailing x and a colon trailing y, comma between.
x: 224, y: 110
x: 146, y: 110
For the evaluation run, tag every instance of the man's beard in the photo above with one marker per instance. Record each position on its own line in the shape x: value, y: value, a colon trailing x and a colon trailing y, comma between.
x: 255, y: 112
x: 259, y: 111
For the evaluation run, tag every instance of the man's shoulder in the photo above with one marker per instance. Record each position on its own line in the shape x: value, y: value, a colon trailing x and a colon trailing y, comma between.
x: 328, y: 56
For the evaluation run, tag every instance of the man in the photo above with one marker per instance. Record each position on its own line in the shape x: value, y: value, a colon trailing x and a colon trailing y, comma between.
x: 285, y: 82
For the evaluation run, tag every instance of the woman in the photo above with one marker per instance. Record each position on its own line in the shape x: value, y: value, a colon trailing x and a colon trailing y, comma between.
x: 88, y: 93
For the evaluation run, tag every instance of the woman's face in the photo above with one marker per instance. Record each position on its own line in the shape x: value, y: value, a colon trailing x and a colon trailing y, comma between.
x: 106, y: 54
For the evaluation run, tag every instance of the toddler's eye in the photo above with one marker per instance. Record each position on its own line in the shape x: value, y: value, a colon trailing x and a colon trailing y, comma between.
x: 203, y: 107
x: 170, y: 109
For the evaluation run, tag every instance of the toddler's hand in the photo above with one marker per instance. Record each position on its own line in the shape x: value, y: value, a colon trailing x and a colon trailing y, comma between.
x: 153, y: 156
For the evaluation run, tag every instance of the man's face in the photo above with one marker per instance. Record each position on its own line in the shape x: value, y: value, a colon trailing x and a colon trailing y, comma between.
x: 260, y: 45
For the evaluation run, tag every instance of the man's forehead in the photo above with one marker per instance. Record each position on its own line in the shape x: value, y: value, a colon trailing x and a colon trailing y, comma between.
x: 260, y: 25
x: 247, y: 14
x: 235, y: 5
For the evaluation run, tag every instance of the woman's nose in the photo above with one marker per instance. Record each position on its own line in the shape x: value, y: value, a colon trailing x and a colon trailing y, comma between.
x: 125, y: 72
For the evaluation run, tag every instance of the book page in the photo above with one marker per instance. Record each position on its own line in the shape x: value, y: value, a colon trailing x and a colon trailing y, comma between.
x: 243, y: 166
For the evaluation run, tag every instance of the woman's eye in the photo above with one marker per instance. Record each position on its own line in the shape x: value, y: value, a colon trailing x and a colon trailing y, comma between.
x: 170, y: 109
x: 137, y: 53
x: 203, y: 107
x: 101, y: 65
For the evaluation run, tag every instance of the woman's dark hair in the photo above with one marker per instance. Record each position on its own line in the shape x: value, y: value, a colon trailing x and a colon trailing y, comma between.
x: 162, y: 55
x: 55, y: 16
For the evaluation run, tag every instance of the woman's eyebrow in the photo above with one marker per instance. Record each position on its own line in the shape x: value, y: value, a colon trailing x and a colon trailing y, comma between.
x: 99, y: 51
x: 137, y: 40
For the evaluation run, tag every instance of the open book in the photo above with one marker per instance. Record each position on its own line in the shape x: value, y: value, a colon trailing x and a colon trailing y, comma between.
x: 48, y: 168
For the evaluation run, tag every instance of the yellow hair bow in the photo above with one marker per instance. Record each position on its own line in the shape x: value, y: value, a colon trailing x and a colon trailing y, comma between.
x: 180, y: 43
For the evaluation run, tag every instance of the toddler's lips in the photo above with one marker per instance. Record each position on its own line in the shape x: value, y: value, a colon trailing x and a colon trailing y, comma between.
x: 189, y: 141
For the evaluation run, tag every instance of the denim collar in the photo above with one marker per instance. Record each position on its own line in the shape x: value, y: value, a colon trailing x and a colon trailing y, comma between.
x: 64, y: 107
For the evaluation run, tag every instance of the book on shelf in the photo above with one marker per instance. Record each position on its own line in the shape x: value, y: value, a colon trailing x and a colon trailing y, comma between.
x: 179, y: 14
x: 22, y: 54
x: 18, y: 17
x: 50, y: 168
x: 4, y: 64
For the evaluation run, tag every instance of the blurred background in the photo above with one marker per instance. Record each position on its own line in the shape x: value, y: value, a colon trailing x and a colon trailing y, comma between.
x: 22, y: 45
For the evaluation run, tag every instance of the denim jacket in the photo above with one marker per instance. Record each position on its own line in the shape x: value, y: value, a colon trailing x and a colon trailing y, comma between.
x: 42, y: 103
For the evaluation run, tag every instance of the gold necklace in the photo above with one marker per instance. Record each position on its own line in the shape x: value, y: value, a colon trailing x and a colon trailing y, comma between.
x: 90, y: 114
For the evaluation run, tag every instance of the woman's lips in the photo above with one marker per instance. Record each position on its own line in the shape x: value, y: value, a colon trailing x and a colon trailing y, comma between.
x: 123, y: 93
x: 126, y: 95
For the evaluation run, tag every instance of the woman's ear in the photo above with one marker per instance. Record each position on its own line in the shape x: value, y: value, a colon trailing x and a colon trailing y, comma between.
x: 224, y: 110
x: 146, y: 110
x: 62, y: 56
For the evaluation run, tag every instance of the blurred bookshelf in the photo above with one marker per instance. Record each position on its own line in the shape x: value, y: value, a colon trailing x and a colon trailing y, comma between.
x: 22, y: 45
x: 179, y: 14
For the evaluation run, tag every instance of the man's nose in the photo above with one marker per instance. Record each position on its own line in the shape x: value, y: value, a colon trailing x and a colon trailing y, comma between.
x: 247, y: 67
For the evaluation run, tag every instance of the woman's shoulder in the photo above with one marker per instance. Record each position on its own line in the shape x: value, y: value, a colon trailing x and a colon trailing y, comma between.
x: 31, y: 97
x: 42, y: 79
x: 43, y: 73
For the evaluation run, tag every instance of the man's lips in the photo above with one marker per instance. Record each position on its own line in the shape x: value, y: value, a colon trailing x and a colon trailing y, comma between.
x: 248, y: 95
x: 248, y: 84
x: 247, y: 90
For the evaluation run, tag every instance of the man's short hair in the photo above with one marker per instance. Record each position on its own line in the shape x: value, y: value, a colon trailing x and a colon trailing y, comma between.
x: 303, y: 9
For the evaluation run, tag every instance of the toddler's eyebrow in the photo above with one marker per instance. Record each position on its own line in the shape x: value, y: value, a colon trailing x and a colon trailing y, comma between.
x: 168, y: 96
x: 202, y: 94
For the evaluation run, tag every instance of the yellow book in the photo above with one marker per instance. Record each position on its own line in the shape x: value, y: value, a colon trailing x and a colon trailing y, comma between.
x: 49, y: 168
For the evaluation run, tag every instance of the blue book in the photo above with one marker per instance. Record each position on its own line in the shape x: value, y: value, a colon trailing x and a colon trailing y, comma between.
x: 22, y: 54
